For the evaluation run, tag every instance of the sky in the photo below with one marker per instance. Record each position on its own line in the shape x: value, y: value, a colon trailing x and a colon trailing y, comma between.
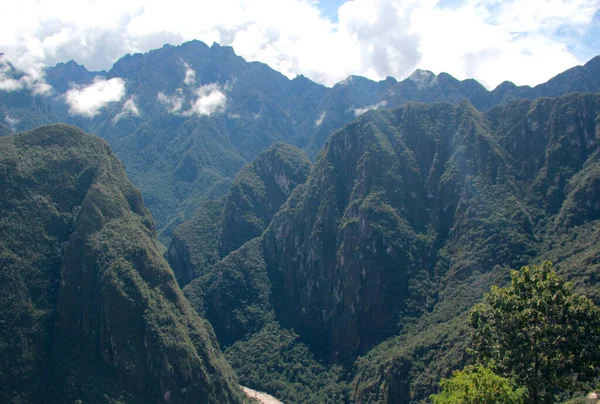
x: 524, y: 41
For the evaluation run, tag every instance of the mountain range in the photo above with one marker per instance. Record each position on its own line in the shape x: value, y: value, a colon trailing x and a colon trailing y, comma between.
x: 407, y: 217
x: 180, y: 154
x: 323, y: 245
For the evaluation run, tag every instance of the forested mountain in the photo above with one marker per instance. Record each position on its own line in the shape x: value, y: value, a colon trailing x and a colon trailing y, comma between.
x: 193, y: 115
x: 346, y: 280
x: 221, y: 226
x: 90, y: 311
x: 408, y: 216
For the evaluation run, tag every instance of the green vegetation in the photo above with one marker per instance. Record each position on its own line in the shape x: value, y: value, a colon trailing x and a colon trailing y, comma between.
x: 89, y: 309
x: 275, y: 361
x: 194, y: 248
x: 364, y: 274
x: 220, y: 227
x: 407, y: 218
x: 478, y: 385
x: 179, y: 161
x: 539, y: 332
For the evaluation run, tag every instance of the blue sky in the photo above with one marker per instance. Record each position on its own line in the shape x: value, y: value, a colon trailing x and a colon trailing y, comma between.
x: 329, y: 8
x: 589, y: 46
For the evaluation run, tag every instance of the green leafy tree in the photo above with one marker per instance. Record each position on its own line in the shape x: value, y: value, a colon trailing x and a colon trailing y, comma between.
x: 478, y: 385
x: 538, y: 331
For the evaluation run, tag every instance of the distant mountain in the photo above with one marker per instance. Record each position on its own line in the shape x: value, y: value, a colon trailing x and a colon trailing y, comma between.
x: 407, y: 217
x: 180, y: 156
x: 90, y: 311
x: 424, y: 86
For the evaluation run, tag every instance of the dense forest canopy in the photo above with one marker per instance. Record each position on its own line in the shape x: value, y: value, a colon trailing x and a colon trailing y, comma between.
x: 345, y: 244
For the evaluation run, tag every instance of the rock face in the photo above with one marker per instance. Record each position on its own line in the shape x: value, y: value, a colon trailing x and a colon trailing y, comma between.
x: 219, y: 227
x: 179, y: 158
x: 258, y: 191
x: 407, y: 217
x: 89, y: 309
x: 387, y: 193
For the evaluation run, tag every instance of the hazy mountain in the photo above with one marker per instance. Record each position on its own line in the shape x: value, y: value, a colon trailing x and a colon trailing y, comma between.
x: 407, y: 217
x: 90, y: 311
x: 179, y: 158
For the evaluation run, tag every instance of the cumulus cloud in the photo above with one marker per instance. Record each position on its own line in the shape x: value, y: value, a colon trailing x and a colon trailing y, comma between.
x: 129, y: 109
x: 89, y: 100
x: 210, y: 99
x: 12, y: 80
x: 523, y: 41
x: 360, y: 111
x: 9, y: 84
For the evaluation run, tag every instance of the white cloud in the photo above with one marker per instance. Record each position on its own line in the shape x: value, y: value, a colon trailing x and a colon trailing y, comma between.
x: 360, y: 111
x: 319, y: 121
x: 207, y: 100
x: 495, y: 41
x: 89, y: 100
x: 210, y: 99
x: 190, y: 75
x: 9, y: 84
x: 172, y: 102
x: 12, y: 122
x: 523, y: 41
x: 129, y: 109
x: 12, y: 80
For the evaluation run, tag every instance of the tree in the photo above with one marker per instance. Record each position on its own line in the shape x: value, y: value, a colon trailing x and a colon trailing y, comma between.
x: 478, y: 385
x: 538, y: 331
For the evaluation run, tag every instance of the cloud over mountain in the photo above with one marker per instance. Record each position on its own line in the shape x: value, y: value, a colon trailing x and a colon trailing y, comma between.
x: 129, y: 109
x: 89, y: 100
x: 205, y: 100
x: 32, y: 79
x: 210, y: 99
x: 526, y: 42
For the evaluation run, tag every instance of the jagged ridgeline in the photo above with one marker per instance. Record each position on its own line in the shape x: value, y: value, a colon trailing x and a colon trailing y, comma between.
x: 179, y: 159
x: 89, y: 310
x: 407, y: 217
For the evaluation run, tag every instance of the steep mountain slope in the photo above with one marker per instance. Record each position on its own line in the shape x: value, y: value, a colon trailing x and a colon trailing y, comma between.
x: 219, y: 227
x: 89, y: 309
x: 553, y: 147
x: 179, y: 156
x: 407, y: 217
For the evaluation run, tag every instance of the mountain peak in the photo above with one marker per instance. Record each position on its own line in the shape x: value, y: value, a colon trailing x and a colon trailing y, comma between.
x: 593, y: 64
x: 422, y: 78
